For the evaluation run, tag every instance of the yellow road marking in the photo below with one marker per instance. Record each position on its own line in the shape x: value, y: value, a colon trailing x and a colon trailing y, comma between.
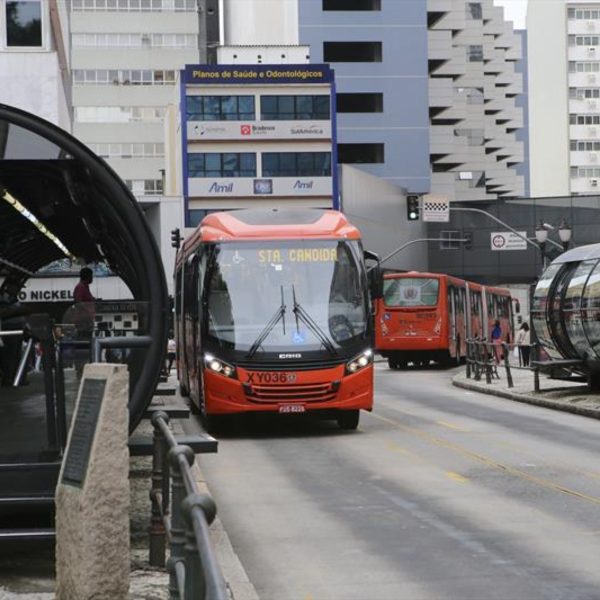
x: 488, y: 461
x: 457, y: 477
x: 450, y: 426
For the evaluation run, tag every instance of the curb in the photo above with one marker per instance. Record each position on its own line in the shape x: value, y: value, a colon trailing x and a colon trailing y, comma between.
x: 528, y: 399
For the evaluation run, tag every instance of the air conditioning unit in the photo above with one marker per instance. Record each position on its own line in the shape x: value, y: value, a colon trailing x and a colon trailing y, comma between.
x: 591, y: 78
x: 593, y: 182
x: 593, y: 131
x: 593, y: 157
x: 592, y: 104
x: 591, y: 49
x: 591, y: 26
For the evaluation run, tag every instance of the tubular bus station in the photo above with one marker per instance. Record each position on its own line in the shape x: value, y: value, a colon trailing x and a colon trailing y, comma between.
x: 59, y: 202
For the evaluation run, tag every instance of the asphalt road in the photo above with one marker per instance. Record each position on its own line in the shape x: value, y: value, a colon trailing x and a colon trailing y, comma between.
x: 442, y: 493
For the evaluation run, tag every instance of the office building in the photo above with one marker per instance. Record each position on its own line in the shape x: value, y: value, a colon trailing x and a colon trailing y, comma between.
x: 34, y: 59
x: 564, y: 97
x: 425, y: 91
x: 126, y: 56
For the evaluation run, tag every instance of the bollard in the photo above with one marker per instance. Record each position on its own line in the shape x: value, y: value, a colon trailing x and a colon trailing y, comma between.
x: 536, y: 379
x: 506, y: 350
x: 178, y: 537
x: 468, y: 359
x: 157, y: 527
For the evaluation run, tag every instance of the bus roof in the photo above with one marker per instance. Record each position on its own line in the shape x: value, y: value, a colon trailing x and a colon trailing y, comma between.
x: 272, y: 223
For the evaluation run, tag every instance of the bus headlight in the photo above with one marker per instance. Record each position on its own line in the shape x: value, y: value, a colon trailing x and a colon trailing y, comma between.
x: 219, y: 366
x: 359, y: 362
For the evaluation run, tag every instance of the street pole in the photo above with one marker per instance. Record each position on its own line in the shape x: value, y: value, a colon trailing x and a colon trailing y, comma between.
x: 487, y: 214
x: 414, y: 242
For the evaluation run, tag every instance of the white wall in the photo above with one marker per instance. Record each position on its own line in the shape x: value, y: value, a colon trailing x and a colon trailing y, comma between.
x: 260, y: 22
x: 31, y: 81
x: 548, y: 99
x: 378, y: 209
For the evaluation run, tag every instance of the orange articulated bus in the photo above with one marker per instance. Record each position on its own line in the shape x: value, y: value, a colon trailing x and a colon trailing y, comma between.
x: 423, y: 317
x: 272, y: 314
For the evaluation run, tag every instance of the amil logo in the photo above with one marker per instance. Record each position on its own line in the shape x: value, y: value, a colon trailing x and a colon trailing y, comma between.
x: 246, y: 129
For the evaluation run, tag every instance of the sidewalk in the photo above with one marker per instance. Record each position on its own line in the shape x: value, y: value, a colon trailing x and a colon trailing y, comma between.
x: 28, y: 574
x: 560, y: 395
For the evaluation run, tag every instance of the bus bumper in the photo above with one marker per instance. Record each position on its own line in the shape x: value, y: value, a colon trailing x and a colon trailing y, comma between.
x: 229, y: 396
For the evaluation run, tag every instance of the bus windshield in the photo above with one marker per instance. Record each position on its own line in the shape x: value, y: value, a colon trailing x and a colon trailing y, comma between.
x: 287, y: 296
x: 410, y: 292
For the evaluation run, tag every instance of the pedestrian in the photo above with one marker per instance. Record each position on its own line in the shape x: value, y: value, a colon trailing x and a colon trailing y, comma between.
x: 497, y: 341
x: 171, y: 352
x: 524, y: 344
x: 83, y: 315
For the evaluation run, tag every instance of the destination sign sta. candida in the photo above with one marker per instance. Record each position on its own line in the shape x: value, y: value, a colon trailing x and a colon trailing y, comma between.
x: 276, y: 255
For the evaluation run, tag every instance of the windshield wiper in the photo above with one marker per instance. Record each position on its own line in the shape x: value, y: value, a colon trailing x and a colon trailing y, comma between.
x: 301, y: 313
x: 278, y: 316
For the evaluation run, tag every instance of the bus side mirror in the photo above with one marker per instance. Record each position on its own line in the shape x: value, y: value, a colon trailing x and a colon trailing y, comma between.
x: 374, y: 274
x: 517, y: 306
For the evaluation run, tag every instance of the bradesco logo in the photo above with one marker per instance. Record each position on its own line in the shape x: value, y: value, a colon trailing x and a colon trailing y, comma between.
x: 246, y: 129
x: 256, y: 129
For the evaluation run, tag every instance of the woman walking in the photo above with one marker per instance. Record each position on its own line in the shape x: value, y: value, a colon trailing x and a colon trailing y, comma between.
x: 524, y: 344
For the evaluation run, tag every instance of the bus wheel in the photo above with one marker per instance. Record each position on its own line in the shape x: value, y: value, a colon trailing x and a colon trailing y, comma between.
x: 214, y: 423
x: 348, y: 419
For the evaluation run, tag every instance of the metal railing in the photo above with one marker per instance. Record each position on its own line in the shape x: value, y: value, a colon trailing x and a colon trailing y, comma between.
x: 484, y: 358
x: 181, y: 515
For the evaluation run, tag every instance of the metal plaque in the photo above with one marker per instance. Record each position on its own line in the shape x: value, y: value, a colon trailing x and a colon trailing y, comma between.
x: 82, y: 434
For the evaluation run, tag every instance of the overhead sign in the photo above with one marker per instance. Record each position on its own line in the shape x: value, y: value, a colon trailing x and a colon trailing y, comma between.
x: 435, y: 208
x: 253, y: 74
x: 507, y: 240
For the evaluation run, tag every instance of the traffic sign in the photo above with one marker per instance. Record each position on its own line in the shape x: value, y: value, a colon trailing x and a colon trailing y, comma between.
x: 507, y: 240
x: 435, y: 208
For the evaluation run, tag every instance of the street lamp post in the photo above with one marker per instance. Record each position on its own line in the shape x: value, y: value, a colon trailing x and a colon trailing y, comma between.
x: 541, y: 235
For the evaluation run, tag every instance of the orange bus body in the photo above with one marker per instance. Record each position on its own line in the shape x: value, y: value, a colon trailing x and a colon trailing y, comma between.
x: 418, y: 325
x: 230, y: 362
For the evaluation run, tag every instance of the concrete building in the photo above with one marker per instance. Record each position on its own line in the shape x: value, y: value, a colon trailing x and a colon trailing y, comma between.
x: 126, y: 57
x: 34, y: 59
x: 379, y: 53
x: 473, y: 88
x: 564, y: 97
x: 426, y: 91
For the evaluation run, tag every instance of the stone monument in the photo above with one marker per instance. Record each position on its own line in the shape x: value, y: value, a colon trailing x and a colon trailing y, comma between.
x: 92, y: 496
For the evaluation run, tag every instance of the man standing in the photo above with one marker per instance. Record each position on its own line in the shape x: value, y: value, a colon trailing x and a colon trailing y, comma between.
x: 82, y: 293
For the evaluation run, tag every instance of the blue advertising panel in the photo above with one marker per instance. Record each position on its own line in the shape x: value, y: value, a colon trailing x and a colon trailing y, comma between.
x: 262, y: 74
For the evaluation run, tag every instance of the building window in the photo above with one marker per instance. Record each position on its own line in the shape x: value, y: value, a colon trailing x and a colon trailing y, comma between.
x: 474, y: 10
x: 134, y: 40
x: 129, y: 150
x: 585, y: 146
x: 361, y: 52
x: 226, y: 164
x: 584, y: 119
x: 360, y: 153
x: 294, y: 108
x: 196, y: 215
x: 119, y: 114
x: 145, y: 187
x: 475, y: 137
x: 351, y: 5
x: 122, y: 77
x: 24, y: 24
x: 220, y: 108
x: 449, y: 240
x: 296, y: 164
x: 359, y: 103
x: 475, y: 53
x: 134, y: 5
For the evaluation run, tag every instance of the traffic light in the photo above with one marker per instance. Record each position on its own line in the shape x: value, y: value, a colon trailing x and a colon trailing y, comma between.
x: 468, y: 237
x: 412, y: 207
x: 175, y: 238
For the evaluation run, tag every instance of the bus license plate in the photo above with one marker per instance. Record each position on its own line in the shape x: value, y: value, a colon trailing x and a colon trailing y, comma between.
x: 292, y: 408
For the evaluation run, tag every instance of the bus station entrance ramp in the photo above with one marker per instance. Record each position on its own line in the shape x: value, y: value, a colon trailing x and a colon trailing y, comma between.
x: 60, y: 202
